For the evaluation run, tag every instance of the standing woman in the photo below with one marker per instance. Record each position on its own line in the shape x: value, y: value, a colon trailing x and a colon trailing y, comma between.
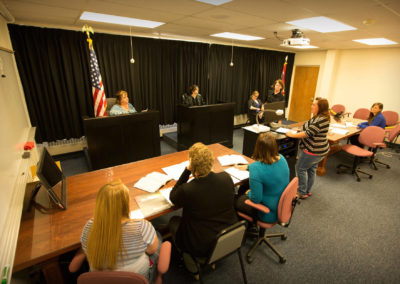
x: 313, y: 145
x: 254, y: 107
x: 276, y: 95
x: 375, y: 118
x: 112, y: 241
x: 122, y: 105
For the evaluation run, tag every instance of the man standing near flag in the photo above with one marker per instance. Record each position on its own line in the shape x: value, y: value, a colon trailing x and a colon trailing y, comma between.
x: 99, y: 97
x: 278, y: 94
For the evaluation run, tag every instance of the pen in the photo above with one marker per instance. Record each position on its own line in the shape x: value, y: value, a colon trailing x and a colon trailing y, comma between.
x: 4, y: 275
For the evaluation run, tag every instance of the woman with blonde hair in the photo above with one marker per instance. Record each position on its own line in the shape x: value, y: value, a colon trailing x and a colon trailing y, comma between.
x: 113, y: 241
x: 122, y: 104
x: 207, y: 203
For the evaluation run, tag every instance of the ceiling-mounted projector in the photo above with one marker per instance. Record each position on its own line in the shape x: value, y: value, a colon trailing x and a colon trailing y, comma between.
x: 297, y: 39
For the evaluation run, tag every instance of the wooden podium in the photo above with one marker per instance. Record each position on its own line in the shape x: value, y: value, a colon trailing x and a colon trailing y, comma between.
x: 207, y: 124
x: 116, y: 140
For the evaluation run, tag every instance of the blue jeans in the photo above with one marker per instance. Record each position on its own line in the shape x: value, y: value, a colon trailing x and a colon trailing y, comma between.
x: 306, y: 167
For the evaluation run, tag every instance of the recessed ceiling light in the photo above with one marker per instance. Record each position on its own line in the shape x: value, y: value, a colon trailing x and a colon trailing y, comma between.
x: 301, y: 46
x: 375, y: 41
x: 321, y: 24
x: 104, y: 18
x: 215, y: 2
x: 237, y: 36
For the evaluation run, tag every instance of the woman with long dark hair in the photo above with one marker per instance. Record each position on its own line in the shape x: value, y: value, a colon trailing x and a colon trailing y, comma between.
x: 313, y: 145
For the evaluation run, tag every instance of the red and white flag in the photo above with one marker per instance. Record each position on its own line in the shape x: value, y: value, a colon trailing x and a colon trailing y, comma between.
x: 99, y: 97
x: 283, y: 74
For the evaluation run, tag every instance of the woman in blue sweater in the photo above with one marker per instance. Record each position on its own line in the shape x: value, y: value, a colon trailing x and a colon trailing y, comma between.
x: 375, y: 118
x: 269, y: 176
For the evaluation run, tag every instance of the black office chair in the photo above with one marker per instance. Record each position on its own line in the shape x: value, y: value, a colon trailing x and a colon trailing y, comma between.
x: 228, y: 241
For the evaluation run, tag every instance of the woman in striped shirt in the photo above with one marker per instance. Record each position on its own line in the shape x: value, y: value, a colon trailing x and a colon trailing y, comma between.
x: 313, y: 145
x: 113, y: 241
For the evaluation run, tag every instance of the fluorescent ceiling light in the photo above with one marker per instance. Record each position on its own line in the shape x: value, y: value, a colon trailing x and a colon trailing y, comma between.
x: 375, y: 41
x: 103, y: 18
x: 301, y: 46
x: 215, y: 2
x: 237, y: 36
x: 321, y: 24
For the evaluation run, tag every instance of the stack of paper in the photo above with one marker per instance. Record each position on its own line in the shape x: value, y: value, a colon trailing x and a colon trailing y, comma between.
x: 165, y: 192
x: 240, y: 175
x: 152, y: 182
x: 228, y: 160
x: 339, y: 131
x: 284, y: 130
x: 175, y: 171
x: 257, y: 128
x: 336, y: 125
x: 152, y: 203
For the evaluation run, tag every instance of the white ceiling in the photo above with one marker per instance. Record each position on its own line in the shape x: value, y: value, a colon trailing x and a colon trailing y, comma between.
x: 196, y: 21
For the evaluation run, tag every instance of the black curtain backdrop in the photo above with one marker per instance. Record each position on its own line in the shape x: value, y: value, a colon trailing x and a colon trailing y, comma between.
x: 53, y: 66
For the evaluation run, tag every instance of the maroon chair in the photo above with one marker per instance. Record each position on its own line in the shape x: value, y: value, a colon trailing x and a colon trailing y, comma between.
x: 391, y: 135
x: 286, y: 206
x: 391, y: 117
x: 123, y: 277
x: 372, y: 137
x: 362, y: 113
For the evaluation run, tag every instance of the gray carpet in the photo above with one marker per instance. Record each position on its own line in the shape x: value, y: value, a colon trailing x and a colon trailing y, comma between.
x: 346, y: 232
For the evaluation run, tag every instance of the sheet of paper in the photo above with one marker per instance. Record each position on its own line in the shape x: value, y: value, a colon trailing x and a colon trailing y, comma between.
x: 339, y: 131
x: 175, y: 171
x: 228, y: 160
x: 152, y: 203
x: 284, y: 130
x: 136, y: 214
x: 147, y: 184
x: 350, y: 124
x: 336, y: 125
x: 241, y: 175
x: 166, y: 192
x: 257, y: 128
x: 235, y: 180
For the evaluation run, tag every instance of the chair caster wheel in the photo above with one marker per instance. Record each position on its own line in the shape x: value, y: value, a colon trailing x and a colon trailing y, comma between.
x: 388, y: 167
x: 249, y: 259
x: 358, y: 179
x: 284, y: 237
x: 370, y: 177
x: 197, y: 277
x: 282, y: 260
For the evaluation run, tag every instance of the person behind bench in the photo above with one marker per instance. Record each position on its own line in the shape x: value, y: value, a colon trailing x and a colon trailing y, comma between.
x: 122, y: 105
x: 194, y: 98
x: 207, y: 201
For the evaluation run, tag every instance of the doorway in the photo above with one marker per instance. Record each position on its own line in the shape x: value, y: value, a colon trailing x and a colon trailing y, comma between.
x: 303, y: 92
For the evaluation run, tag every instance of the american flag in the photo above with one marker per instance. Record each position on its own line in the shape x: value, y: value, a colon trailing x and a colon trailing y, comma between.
x: 283, y: 74
x: 99, y: 97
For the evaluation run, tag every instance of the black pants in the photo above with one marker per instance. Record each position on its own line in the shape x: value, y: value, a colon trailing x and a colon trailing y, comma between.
x: 240, y: 204
x: 354, y: 141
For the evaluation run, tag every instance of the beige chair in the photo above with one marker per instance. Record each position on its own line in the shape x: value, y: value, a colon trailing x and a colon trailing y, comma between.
x: 110, y: 103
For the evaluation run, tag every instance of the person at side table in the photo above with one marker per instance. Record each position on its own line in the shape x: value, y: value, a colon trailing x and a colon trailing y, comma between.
x: 276, y: 94
x: 113, y: 241
x: 375, y: 118
x: 122, y: 105
x: 193, y: 98
x: 255, y: 106
x: 269, y: 176
x: 313, y: 145
x: 208, y: 205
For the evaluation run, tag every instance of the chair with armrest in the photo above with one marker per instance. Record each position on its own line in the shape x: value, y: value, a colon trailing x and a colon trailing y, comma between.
x: 391, y: 134
x: 110, y: 103
x: 339, y: 110
x: 362, y: 113
x: 372, y: 137
x: 123, y: 277
x: 227, y: 242
x: 286, y: 206
x: 391, y: 117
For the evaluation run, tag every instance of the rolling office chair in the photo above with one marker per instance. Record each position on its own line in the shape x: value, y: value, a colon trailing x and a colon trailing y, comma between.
x: 121, y: 277
x: 391, y: 134
x: 286, y: 206
x: 228, y: 241
x: 339, y: 110
x: 372, y: 137
x: 361, y: 113
x: 391, y: 117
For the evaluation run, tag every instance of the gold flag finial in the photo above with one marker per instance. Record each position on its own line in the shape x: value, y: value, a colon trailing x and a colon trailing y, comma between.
x: 88, y: 29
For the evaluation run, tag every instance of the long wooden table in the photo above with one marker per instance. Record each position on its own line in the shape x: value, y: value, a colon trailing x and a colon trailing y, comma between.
x: 44, y: 237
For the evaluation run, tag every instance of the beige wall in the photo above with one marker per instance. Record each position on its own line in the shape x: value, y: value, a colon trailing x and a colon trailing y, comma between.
x: 5, y: 41
x: 357, y: 78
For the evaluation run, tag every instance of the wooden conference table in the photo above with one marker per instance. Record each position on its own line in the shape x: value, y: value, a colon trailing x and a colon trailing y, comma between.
x: 44, y: 237
x: 335, y: 138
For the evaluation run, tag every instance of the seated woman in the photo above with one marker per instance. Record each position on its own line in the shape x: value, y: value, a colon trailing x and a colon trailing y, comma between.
x: 276, y: 94
x: 207, y: 203
x: 112, y: 241
x: 269, y: 176
x: 375, y: 118
x: 255, y: 106
x: 122, y: 105
x: 193, y: 98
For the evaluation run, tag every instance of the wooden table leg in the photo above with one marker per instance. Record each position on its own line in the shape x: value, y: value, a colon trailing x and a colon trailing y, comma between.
x: 52, y: 272
x: 321, y: 167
